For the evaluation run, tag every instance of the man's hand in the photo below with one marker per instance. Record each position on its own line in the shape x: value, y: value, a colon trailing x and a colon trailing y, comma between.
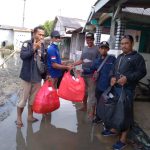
x: 69, y: 67
x: 122, y: 80
x: 36, y: 45
x: 79, y: 72
x: 113, y: 81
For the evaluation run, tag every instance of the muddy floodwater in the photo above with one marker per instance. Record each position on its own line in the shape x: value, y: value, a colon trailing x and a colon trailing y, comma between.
x: 64, y: 129
x: 67, y: 128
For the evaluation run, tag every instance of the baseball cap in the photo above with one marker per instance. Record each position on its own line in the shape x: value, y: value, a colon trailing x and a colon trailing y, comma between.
x: 90, y: 35
x: 55, y: 33
x: 104, y: 44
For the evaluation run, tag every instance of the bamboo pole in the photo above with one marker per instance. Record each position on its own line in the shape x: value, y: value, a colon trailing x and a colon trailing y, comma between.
x: 7, y: 58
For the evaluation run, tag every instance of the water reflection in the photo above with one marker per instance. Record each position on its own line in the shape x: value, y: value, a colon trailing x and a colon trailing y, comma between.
x: 20, y: 141
x: 66, y: 113
x: 64, y: 129
x: 48, y: 138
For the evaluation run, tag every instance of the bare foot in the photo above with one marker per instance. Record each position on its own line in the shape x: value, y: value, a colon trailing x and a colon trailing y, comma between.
x: 91, y: 115
x: 83, y: 109
x: 19, y: 124
x: 32, y: 119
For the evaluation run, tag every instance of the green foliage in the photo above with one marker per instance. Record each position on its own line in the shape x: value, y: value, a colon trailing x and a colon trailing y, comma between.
x: 11, y: 47
x: 48, y: 27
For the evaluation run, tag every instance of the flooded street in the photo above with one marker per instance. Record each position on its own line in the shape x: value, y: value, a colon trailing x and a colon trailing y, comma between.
x: 64, y: 129
x: 67, y: 128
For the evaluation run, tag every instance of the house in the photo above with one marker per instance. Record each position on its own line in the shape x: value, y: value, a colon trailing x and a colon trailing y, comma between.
x: 66, y: 26
x: 119, y: 17
x: 13, y: 36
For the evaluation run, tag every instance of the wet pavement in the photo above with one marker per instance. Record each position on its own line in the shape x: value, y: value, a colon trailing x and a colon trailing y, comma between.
x: 64, y: 129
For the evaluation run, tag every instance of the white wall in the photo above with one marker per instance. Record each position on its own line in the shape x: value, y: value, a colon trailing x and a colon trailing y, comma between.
x: 19, y: 38
x: 6, y: 35
x: 134, y: 33
x: 147, y: 61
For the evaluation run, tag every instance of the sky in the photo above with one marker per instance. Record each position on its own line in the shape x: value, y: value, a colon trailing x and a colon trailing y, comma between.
x: 39, y: 11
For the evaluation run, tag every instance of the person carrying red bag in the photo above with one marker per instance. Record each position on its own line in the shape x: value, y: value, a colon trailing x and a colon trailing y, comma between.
x: 54, y: 63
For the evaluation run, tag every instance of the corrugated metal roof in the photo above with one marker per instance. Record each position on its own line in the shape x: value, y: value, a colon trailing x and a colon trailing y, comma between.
x: 140, y: 11
x: 71, y: 22
x: 7, y: 27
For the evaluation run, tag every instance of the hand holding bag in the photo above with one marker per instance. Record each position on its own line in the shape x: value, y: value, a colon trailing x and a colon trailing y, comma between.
x: 122, y: 119
x: 40, y: 65
x: 106, y: 106
x: 72, y: 87
x: 46, y: 99
x: 96, y: 73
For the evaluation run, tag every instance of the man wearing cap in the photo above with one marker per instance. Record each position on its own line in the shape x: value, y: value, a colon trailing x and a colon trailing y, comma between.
x: 104, y: 75
x: 89, y: 54
x: 54, y: 63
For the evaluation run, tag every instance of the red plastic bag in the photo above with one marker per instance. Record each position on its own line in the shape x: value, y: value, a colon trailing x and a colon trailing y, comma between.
x: 46, y: 99
x: 72, y: 88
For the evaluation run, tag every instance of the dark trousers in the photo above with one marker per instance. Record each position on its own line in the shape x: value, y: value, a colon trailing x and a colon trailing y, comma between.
x: 98, y: 94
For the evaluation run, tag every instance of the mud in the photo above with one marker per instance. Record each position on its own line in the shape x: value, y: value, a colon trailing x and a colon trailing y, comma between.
x: 9, y: 84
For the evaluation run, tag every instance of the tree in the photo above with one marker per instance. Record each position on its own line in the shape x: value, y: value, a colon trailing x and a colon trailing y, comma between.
x: 48, y: 27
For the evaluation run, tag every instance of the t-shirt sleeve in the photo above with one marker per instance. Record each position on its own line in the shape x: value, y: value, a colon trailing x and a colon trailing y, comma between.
x: 52, y: 55
x: 81, y: 58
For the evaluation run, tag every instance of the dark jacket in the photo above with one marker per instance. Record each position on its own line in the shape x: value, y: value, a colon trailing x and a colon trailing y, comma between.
x: 132, y: 66
x: 29, y: 70
x: 103, y: 81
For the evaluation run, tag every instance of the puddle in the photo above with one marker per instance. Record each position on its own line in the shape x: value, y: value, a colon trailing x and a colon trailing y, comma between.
x: 6, y: 108
x: 67, y: 111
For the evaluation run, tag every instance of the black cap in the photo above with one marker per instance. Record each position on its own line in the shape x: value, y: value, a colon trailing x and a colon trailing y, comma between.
x: 104, y: 44
x: 55, y: 33
x: 90, y: 35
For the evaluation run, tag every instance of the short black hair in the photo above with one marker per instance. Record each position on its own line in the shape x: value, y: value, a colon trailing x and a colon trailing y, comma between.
x: 129, y: 37
x: 38, y: 28
x: 89, y: 35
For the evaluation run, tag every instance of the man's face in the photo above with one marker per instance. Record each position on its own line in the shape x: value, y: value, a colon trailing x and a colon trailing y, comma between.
x: 90, y: 42
x: 103, y: 50
x: 39, y: 35
x: 126, y: 45
x: 56, y: 39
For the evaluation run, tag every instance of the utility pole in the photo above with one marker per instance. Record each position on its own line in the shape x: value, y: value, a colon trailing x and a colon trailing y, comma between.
x: 24, y: 7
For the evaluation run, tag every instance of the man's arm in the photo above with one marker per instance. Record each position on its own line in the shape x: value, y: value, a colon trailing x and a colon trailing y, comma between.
x: 60, y: 66
x: 79, y: 62
x: 26, y: 51
x: 140, y: 70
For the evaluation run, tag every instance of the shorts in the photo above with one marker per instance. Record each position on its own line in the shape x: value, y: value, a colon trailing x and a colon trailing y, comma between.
x: 27, y: 93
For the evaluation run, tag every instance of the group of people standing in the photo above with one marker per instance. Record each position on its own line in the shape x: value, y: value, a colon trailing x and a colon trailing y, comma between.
x: 124, y: 71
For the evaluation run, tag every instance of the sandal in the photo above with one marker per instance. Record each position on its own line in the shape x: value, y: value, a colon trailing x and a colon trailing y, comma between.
x: 33, y: 120
x: 19, y: 124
